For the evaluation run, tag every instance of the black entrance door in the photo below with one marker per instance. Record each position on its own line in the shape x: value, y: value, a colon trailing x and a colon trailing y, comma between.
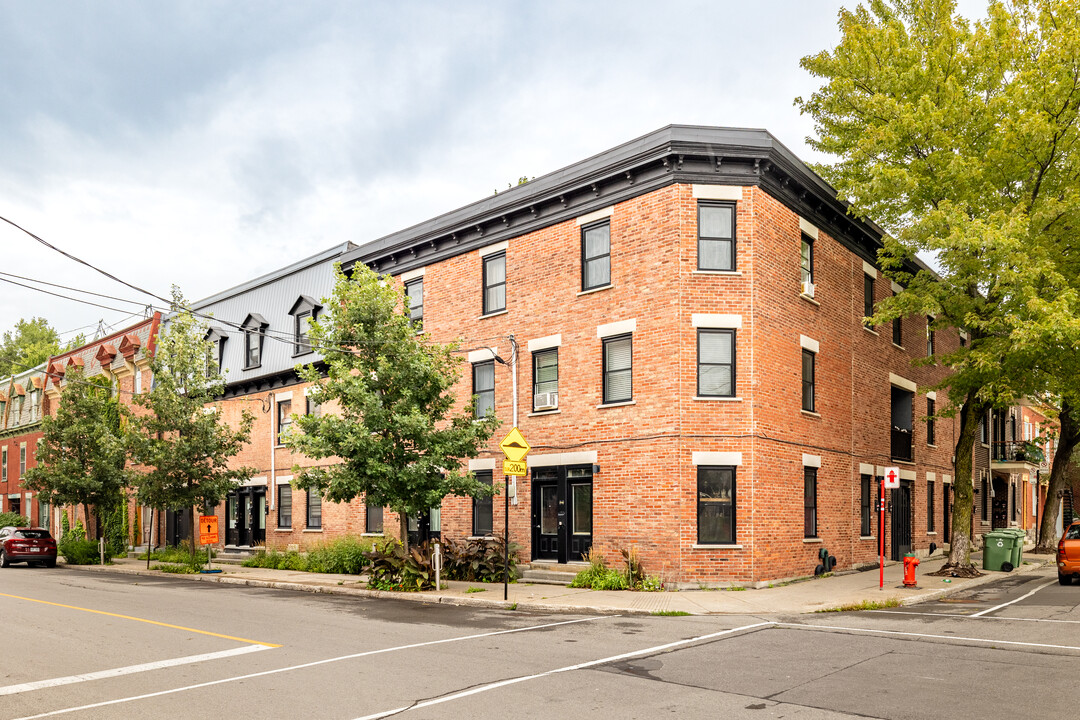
x: 562, y: 513
x: 245, y: 513
x: 999, y: 508
x: 177, y: 526
x: 946, y: 513
x: 901, y: 520
x: 426, y: 528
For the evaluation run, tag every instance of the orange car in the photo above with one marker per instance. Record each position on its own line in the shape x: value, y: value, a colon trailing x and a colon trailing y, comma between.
x: 1068, y: 556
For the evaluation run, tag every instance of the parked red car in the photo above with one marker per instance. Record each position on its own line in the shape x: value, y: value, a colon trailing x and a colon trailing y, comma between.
x: 33, y: 546
x: 1068, y: 555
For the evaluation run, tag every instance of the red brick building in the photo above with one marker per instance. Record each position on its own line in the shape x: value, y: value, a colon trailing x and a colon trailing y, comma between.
x: 21, y: 410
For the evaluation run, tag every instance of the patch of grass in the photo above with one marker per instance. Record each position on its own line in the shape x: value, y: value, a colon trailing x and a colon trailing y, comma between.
x: 735, y: 588
x: 669, y: 613
x: 475, y: 590
x: 178, y: 555
x: 513, y: 606
x: 864, y: 605
x: 174, y: 568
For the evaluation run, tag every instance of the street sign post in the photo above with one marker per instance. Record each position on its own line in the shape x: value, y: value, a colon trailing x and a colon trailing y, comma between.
x: 890, y: 480
x: 208, y: 534
x: 515, y: 447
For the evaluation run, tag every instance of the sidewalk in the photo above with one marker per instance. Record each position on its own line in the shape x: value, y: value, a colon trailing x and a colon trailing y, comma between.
x: 798, y: 597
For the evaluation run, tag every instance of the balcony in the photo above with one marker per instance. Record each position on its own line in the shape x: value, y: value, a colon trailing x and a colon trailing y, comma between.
x: 1018, y: 452
x: 901, y: 444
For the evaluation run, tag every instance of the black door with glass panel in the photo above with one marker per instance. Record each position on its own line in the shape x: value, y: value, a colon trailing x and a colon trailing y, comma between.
x: 901, y: 520
x: 245, y: 517
x: 425, y: 528
x: 562, y: 513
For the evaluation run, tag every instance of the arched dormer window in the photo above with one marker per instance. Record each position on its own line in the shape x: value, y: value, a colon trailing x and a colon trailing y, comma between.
x: 254, y: 328
x: 303, y: 311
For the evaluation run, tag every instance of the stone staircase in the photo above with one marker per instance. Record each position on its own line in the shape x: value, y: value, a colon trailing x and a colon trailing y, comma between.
x: 232, y: 556
x: 550, y: 573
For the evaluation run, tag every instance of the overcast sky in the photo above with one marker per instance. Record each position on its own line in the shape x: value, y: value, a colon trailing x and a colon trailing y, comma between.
x: 204, y: 144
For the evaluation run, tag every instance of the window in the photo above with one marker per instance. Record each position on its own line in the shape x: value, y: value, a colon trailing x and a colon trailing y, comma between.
x: 301, y: 324
x: 1012, y: 494
x: 313, y: 408
x: 716, y: 505
x: 414, y: 290
x: 138, y: 382
x: 3, y: 465
x: 596, y: 255
x: 866, y: 483
x: 868, y: 297
x: 902, y: 415
x: 810, y: 528
x: 373, y: 520
x: 483, y: 378
x: 898, y: 332
x: 716, y: 236
x: 929, y: 337
x: 982, y: 430
x: 495, y: 283
x: 284, y: 506
x: 253, y: 327
x: 808, y: 381
x: 930, y: 430
x: 930, y: 506
x: 43, y: 513
x: 314, y: 509
x: 618, y: 370
x: 284, y: 419
x: 545, y: 373
x: 482, y: 521
x: 806, y: 259
x: 22, y: 460
x: 716, y: 363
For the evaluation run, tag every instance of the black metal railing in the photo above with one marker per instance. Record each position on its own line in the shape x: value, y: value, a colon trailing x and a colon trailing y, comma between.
x: 1015, y: 451
x: 901, y: 444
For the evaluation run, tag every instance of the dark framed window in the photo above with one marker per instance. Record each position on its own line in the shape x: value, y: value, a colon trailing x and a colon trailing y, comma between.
x: 930, y: 506
x: 806, y: 259
x: 414, y: 290
x: 483, y: 377
x: 930, y: 430
x: 982, y: 430
x: 252, y: 349
x: 716, y: 363
x: 902, y: 417
x: 810, y: 528
x: 545, y: 373
x: 596, y: 255
x: 3, y: 465
x: 984, y: 500
x: 716, y: 236
x: 314, y: 509
x: 929, y: 337
x: 482, y: 521
x: 301, y: 345
x: 312, y: 408
x: 808, y: 360
x: 43, y: 513
x: 284, y: 506
x: 494, y: 283
x: 866, y: 484
x: 618, y: 381
x: 716, y: 505
x: 22, y: 461
x: 373, y: 519
x: 868, y: 297
x: 1015, y: 509
x: 898, y: 331
x: 963, y: 339
x: 284, y: 420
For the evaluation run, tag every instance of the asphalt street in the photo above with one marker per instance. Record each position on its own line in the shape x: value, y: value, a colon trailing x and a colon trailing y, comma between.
x: 97, y: 645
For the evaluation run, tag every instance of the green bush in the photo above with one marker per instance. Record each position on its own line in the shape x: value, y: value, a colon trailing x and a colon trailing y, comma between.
x: 395, y: 568
x: 347, y: 555
x: 77, y: 551
x: 598, y: 576
x: 179, y: 554
x: 175, y: 569
x: 477, y: 560
x: 14, y: 519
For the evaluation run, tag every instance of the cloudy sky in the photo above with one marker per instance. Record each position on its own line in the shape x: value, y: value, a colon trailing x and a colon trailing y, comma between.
x: 203, y: 144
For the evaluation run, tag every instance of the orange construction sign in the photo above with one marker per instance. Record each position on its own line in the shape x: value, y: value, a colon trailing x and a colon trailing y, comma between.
x: 208, y: 530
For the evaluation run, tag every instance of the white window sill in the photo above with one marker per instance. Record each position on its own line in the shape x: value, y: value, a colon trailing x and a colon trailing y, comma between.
x: 867, y: 537
x: 481, y: 537
x: 809, y: 413
x: 493, y: 314
x: 595, y: 290
x: 733, y: 273
x: 898, y: 347
x: 695, y: 546
x: 540, y: 413
x: 616, y: 404
x: 812, y: 540
x: 903, y: 462
x: 717, y: 399
x: 872, y: 332
x: 809, y: 299
x: 932, y: 532
x: 931, y: 446
x: 312, y: 530
x: 283, y: 530
x: 372, y: 534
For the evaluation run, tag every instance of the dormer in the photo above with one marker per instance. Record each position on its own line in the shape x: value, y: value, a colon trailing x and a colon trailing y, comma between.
x: 129, y: 345
x: 216, y: 337
x: 105, y: 355
x: 254, y: 328
x: 303, y: 311
x: 76, y: 362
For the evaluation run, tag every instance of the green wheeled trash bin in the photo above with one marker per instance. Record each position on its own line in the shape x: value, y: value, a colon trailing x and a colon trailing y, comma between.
x: 997, y: 550
x: 1019, y: 538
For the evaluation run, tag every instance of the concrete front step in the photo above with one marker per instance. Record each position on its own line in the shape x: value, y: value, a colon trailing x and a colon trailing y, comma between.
x: 552, y: 574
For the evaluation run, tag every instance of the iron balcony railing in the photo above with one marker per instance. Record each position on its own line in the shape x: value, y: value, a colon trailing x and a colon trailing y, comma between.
x: 1016, y: 451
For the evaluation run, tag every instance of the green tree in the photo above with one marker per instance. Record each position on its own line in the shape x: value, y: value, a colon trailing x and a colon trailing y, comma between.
x: 396, y: 440
x: 83, y: 452
x: 183, y: 446
x: 32, y: 343
x: 960, y: 140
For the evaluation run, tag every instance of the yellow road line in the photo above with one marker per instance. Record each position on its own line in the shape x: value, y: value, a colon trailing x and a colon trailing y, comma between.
x: 151, y: 622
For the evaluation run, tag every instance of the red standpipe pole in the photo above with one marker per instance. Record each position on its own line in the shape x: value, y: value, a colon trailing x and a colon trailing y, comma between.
x: 881, y: 537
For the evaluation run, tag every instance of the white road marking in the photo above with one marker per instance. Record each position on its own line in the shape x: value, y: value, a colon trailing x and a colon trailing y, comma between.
x: 976, y: 617
x: 1022, y: 597
x: 302, y: 666
x: 129, y: 670
x: 568, y: 668
x: 951, y: 638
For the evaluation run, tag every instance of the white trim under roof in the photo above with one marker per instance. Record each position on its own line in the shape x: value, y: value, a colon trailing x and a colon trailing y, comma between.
x: 717, y: 458
x: 585, y: 457
x: 716, y: 192
x: 494, y: 248
x: 616, y: 328
x: 707, y: 320
x: 901, y: 382
x: 481, y: 464
x: 869, y: 269
x: 808, y: 228
x: 412, y: 274
x: 544, y: 343
x: 809, y: 344
x: 596, y: 215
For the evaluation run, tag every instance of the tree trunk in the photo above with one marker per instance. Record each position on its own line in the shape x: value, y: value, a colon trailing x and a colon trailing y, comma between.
x: 963, y: 489
x: 1068, y: 439
x: 150, y: 539
x: 403, y: 528
x: 191, y: 528
x: 86, y: 517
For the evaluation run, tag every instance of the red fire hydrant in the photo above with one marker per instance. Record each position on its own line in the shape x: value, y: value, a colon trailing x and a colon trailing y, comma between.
x: 910, y: 563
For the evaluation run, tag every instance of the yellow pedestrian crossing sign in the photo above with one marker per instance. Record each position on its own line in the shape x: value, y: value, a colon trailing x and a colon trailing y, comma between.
x: 514, y: 446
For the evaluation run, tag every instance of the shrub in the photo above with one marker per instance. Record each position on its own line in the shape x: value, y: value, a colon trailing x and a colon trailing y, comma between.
x: 10, y: 518
x: 77, y: 551
x: 174, y: 568
x: 347, y: 555
x: 477, y: 560
x: 598, y: 576
x: 179, y: 554
x: 395, y: 568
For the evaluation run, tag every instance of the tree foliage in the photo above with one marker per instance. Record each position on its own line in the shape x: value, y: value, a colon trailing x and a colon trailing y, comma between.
x: 83, y: 453
x: 394, y: 437
x: 182, y: 444
x: 32, y: 343
x: 960, y: 139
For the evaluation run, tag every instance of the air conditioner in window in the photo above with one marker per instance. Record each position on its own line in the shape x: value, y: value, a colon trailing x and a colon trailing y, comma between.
x: 546, y: 401
x: 808, y: 288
